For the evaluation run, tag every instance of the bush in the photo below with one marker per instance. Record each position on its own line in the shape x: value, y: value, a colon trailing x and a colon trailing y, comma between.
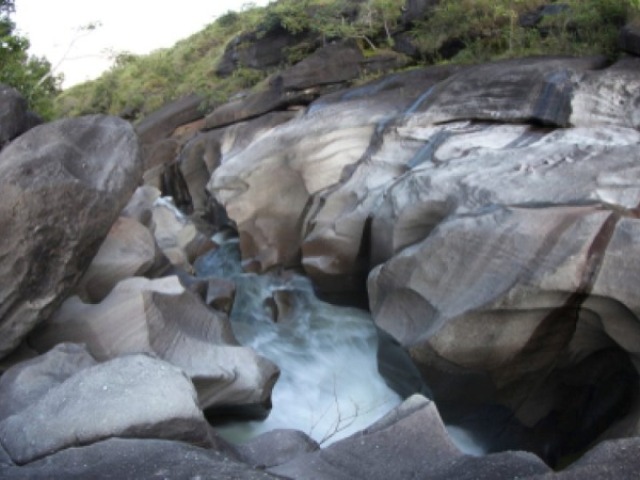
x: 31, y: 76
x: 479, y: 29
x: 491, y: 29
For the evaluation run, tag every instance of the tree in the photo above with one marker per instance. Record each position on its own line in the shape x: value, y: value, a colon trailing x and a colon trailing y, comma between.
x: 30, y: 75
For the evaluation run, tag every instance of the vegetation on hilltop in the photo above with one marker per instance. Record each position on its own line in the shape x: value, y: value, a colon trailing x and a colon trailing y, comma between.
x: 453, y: 30
x: 30, y: 75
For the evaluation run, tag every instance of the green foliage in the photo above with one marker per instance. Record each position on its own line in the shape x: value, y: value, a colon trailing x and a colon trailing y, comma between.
x: 487, y: 29
x: 30, y: 75
x: 490, y: 28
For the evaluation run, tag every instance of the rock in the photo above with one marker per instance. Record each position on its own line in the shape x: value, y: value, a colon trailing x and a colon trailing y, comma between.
x: 532, y: 19
x: 298, y: 85
x: 268, y: 188
x: 24, y: 383
x: 250, y: 185
x: 13, y: 114
x: 220, y: 294
x: 531, y: 90
x: 613, y: 459
x: 534, y: 163
x: 129, y: 250
x: 549, y: 307
x: 609, y: 97
x: 203, y: 154
x: 63, y: 185
x: 410, y: 442
x: 118, y: 458
x: 177, y: 236
x: 161, y: 123
x: 157, y: 156
x: 134, y: 396
x: 261, y: 51
x: 415, y: 10
x: 276, y: 447
x: 257, y: 104
x: 163, y: 318
x: 383, y: 63
x: 332, y: 64
x: 630, y: 39
x: 140, y: 205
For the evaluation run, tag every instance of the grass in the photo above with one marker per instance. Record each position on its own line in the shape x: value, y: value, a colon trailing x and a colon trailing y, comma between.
x: 484, y: 30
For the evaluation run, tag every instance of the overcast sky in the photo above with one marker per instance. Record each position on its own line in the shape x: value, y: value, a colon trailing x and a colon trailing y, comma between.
x: 137, y: 26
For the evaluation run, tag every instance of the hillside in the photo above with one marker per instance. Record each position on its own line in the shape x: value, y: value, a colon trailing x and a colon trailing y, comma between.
x: 240, y: 49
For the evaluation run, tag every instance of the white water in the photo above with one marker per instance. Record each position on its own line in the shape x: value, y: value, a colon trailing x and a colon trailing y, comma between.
x: 329, y: 387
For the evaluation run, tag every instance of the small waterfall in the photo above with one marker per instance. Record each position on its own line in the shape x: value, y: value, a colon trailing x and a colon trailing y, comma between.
x: 329, y: 387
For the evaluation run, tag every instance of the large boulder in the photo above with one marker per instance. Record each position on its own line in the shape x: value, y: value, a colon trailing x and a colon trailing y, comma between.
x: 535, y: 90
x: 327, y: 68
x: 161, y: 123
x: 332, y: 64
x: 129, y: 250
x: 63, y: 186
x: 118, y: 458
x: 134, y: 396
x: 531, y: 306
x: 259, y: 50
x: 163, y: 318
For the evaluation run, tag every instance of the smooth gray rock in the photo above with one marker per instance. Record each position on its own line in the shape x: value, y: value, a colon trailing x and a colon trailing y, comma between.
x: 537, y: 90
x: 161, y: 123
x: 333, y: 64
x: 326, y: 68
x: 272, y: 188
x: 63, y: 185
x: 617, y: 459
x: 129, y: 250
x: 120, y: 458
x: 534, y: 298
x: 204, y: 153
x: 24, y: 383
x: 276, y: 447
x: 469, y: 167
x: 164, y: 318
x: 609, y: 97
x: 131, y: 396
x: 410, y: 442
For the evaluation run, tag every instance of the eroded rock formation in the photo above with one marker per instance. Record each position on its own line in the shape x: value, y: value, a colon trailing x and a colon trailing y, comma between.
x: 487, y: 213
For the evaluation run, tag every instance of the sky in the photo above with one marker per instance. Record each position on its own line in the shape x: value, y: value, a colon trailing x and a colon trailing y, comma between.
x: 55, y: 29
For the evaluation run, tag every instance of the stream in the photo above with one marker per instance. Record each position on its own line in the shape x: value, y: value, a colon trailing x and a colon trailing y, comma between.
x: 329, y: 386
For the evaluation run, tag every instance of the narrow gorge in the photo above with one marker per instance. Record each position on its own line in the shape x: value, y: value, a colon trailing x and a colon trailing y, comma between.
x: 433, y: 274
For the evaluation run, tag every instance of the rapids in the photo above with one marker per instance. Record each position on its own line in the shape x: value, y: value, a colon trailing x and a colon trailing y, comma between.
x: 329, y: 387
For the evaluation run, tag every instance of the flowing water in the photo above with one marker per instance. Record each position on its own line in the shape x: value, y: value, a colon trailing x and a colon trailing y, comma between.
x: 329, y: 387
